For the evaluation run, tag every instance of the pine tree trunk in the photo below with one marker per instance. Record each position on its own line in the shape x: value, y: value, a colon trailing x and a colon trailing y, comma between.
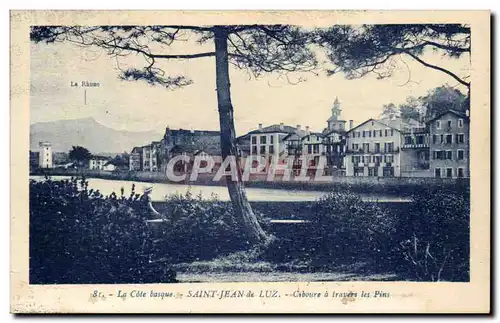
x: 242, y: 208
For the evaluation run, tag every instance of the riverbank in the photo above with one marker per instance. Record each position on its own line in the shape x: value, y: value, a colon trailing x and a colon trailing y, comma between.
x: 393, y: 186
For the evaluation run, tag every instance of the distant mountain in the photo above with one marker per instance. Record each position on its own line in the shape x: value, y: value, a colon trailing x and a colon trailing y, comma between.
x: 63, y: 134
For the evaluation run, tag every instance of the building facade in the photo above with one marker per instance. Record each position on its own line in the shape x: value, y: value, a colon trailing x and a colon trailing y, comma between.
x: 415, y: 151
x: 373, y: 149
x: 272, y: 143
x: 135, y: 159
x: 98, y: 162
x: 449, y: 145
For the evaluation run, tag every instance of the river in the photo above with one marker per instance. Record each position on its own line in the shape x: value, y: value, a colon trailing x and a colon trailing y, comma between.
x: 161, y: 190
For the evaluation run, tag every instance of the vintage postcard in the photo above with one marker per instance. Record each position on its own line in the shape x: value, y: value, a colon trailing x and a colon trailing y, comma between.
x: 250, y: 162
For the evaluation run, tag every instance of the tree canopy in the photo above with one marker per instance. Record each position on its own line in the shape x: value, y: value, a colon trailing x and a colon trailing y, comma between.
x: 436, y: 101
x: 79, y: 154
x: 360, y: 50
x: 258, y: 49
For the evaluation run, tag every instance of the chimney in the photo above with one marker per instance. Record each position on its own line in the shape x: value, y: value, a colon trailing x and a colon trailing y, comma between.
x: 298, y: 127
x: 260, y: 126
x: 307, y: 129
x: 282, y: 126
x: 351, y: 124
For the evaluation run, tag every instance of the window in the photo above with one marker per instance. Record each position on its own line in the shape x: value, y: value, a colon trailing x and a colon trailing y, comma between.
x: 271, y: 149
x: 408, y: 140
x: 420, y: 140
x: 438, y: 125
x: 392, y: 132
x: 263, y: 140
x: 460, y: 172
x: 386, y: 132
x: 254, y: 150
x: 366, y: 147
x: 377, y: 147
x: 449, y: 155
x: 435, y: 139
x: 388, y: 158
x: 374, y: 133
x: 388, y: 171
x: 372, y: 171
x: 317, y: 138
x: 460, y: 154
x: 437, y: 172
x: 369, y: 133
x: 368, y: 159
x: 316, y: 149
x: 356, y: 159
x: 272, y: 139
x: 364, y: 134
x: 359, y: 171
x: 309, y: 149
x: 449, y: 139
x: 449, y: 172
x: 389, y: 147
x: 460, y: 138
x: 438, y: 154
x: 377, y: 159
x: 262, y: 149
x: 357, y: 134
x: 449, y: 123
x: 461, y: 125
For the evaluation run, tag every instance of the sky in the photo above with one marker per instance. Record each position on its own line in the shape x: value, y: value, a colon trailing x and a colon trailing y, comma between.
x: 137, y: 106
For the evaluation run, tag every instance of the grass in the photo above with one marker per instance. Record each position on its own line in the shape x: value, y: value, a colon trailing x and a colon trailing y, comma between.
x: 245, y: 266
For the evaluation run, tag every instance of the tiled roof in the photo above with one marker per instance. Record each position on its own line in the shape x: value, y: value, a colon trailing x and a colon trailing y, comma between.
x: 455, y: 112
x: 276, y: 128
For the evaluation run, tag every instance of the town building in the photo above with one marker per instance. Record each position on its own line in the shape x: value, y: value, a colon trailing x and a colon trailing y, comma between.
x: 155, y: 156
x: 97, y: 162
x: 282, y: 141
x: 151, y: 157
x: 415, y: 151
x: 135, y: 159
x: 190, y: 143
x: 271, y: 143
x: 410, y: 148
x: 335, y: 141
x: 449, y: 144
x: 45, y: 155
x: 312, y: 150
x: 373, y: 148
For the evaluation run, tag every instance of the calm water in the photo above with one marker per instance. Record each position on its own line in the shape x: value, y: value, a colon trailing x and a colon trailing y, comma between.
x: 160, y: 191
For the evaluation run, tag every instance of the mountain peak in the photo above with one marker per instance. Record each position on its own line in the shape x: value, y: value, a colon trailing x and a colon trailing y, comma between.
x: 89, y: 133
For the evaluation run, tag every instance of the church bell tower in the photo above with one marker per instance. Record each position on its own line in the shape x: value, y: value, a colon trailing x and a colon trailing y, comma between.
x: 334, y: 122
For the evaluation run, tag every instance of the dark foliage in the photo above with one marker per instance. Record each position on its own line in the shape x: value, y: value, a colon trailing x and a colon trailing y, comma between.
x: 79, y: 236
x: 349, y: 227
x: 359, y: 50
x: 199, y: 229
x: 437, y: 240
x: 80, y: 154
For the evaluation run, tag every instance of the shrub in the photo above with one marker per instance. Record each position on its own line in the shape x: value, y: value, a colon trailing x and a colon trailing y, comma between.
x: 346, y: 227
x: 77, y: 235
x: 201, y: 229
x: 437, y: 237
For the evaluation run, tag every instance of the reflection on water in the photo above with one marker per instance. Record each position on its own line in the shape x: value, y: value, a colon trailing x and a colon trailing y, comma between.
x: 160, y: 191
